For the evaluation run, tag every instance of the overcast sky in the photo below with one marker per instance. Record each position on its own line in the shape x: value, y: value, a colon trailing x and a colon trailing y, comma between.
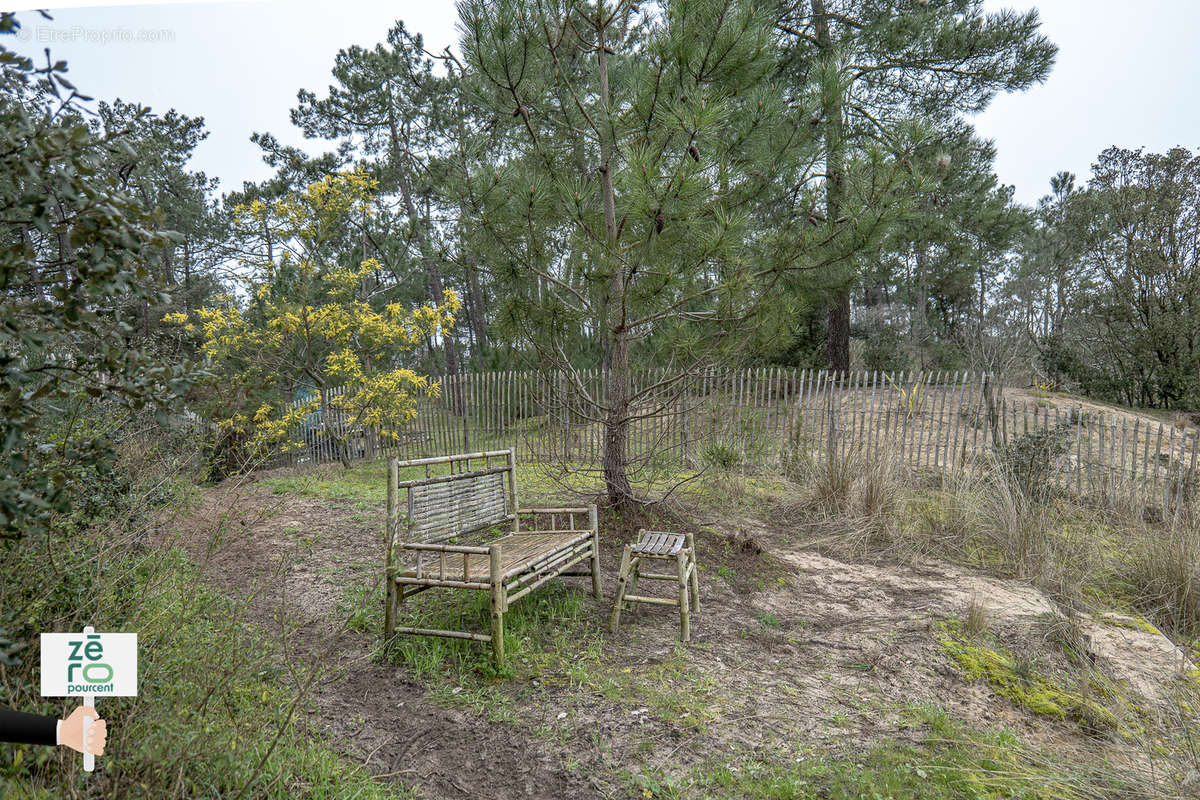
x: 1126, y: 73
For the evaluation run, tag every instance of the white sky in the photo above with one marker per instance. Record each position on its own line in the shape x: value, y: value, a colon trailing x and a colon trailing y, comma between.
x: 1127, y: 73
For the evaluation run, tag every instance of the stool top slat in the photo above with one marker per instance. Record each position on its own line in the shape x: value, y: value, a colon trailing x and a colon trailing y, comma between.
x: 659, y: 543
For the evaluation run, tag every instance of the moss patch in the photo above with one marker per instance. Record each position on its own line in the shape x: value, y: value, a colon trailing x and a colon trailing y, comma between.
x: 1129, y: 623
x: 1036, y: 693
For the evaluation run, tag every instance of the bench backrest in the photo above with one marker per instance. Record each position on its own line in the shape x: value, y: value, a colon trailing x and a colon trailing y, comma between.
x: 473, y: 491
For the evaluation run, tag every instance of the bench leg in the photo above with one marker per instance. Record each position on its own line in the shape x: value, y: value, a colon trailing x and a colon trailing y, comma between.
x: 394, y: 600
x: 389, y: 606
x: 622, y: 578
x: 595, y: 564
x: 691, y: 543
x: 389, y: 564
x: 681, y: 565
x: 498, y: 636
x: 498, y: 603
x: 594, y: 521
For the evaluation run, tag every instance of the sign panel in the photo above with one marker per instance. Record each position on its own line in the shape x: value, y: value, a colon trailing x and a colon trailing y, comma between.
x: 92, y: 664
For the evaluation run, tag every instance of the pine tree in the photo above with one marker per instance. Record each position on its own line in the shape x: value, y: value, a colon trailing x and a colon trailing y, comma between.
x: 387, y: 102
x: 649, y: 180
x: 879, y: 63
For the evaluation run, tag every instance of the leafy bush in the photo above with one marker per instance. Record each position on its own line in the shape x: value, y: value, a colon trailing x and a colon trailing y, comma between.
x: 205, y: 676
x: 883, y: 348
x: 1031, y: 461
x: 66, y: 315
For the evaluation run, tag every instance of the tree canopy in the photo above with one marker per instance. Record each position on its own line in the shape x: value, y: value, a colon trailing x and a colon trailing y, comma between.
x: 575, y: 186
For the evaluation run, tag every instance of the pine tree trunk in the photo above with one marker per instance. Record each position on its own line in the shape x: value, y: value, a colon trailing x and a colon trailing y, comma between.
x: 838, y: 343
x: 187, y: 273
x: 920, y: 314
x: 169, y: 265
x: 475, y: 308
x: 838, y: 334
x: 616, y: 424
x: 421, y: 231
x: 616, y: 334
x: 435, y: 293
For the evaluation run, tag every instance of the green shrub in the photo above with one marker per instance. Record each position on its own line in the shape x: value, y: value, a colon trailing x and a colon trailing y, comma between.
x: 216, y: 715
x: 1031, y: 461
x: 883, y: 349
x: 722, y: 457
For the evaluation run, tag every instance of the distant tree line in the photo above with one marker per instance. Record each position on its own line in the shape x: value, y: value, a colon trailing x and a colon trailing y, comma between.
x: 1108, y: 280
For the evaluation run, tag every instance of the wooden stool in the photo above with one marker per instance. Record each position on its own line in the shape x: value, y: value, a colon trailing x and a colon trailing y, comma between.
x: 677, y: 547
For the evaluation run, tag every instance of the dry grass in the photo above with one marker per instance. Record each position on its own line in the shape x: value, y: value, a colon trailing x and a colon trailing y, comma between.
x: 1162, y: 570
x: 986, y: 516
x: 977, y: 620
x: 853, y: 485
x: 997, y: 517
x: 991, y: 516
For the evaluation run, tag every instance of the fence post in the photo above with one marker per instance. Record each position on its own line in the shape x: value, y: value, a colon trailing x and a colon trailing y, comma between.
x: 989, y: 401
x: 831, y: 443
x: 463, y: 410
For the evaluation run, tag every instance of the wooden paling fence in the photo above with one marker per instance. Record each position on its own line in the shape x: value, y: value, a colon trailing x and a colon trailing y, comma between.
x: 924, y: 421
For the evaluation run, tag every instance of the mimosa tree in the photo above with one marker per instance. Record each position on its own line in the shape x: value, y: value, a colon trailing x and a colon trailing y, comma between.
x: 311, y: 317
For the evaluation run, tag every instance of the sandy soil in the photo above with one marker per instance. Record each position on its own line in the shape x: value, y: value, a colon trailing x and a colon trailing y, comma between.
x: 792, y: 650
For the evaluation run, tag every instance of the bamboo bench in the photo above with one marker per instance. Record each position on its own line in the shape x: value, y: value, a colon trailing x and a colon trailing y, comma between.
x: 475, y: 492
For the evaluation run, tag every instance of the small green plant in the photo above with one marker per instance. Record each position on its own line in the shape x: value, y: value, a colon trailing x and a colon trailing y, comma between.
x: 722, y: 457
x: 767, y: 620
x: 360, y: 606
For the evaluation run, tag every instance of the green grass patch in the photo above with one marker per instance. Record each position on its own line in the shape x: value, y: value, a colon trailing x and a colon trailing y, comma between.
x: 948, y: 762
x: 216, y: 714
x: 543, y: 631
x: 551, y: 641
x: 672, y: 691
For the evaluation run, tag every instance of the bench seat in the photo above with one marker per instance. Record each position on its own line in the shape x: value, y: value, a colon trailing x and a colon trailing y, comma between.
x: 520, y: 552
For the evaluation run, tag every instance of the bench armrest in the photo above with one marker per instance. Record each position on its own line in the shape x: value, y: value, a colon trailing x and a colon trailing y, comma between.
x: 445, y: 548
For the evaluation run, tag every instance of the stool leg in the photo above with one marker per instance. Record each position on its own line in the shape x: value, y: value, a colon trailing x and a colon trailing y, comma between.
x: 691, y: 541
x: 635, y: 567
x: 622, y: 578
x: 681, y: 565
